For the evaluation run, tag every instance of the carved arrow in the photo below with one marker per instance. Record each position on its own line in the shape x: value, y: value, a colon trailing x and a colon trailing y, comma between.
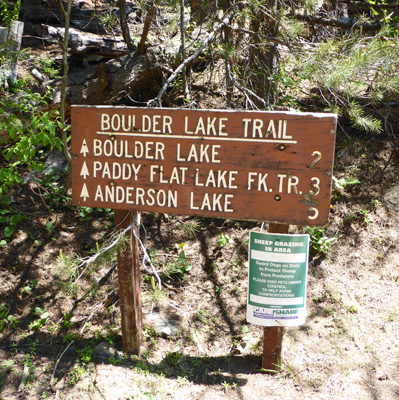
x: 84, y: 171
x: 84, y: 193
x: 84, y: 149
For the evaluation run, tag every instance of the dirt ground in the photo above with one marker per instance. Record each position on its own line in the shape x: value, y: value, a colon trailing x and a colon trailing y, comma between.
x: 348, y: 347
x: 60, y: 335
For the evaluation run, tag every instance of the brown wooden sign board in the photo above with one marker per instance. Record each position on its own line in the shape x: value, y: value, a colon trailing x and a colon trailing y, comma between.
x: 249, y: 165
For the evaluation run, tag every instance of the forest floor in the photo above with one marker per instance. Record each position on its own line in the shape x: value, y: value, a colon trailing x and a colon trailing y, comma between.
x: 63, y: 341
x: 348, y: 347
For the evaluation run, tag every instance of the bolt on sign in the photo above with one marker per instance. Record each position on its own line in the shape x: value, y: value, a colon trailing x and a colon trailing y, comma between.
x: 249, y: 165
x: 278, y: 266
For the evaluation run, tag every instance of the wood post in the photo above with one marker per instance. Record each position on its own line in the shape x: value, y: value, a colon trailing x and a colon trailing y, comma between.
x: 129, y: 286
x: 273, y: 335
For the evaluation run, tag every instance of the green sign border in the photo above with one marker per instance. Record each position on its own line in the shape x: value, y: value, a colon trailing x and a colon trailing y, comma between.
x: 277, y: 279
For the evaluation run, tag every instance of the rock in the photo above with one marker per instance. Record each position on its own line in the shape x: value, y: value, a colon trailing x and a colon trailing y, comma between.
x: 164, y: 326
x: 55, y: 163
x: 392, y: 199
x: 105, y: 350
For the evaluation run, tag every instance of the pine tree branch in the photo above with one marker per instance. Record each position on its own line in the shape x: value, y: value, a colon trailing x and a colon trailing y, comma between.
x: 268, y: 38
x: 211, y: 36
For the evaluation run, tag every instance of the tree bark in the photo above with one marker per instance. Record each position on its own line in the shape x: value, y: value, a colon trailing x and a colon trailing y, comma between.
x: 146, y: 29
x: 124, y: 25
x: 67, y: 18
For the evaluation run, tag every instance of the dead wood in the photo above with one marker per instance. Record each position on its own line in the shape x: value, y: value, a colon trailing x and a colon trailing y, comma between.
x: 146, y: 29
x: 102, y: 83
x: 346, y: 24
x: 83, y: 42
x: 124, y: 25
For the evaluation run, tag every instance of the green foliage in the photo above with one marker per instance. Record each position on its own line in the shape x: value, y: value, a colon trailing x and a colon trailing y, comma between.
x: 173, y: 358
x: 177, y: 268
x: 183, y: 266
x: 13, y: 322
x: 319, y: 241
x: 41, y: 318
x: 115, y: 360
x: 86, y: 355
x: 3, y: 316
x: 67, y: 273
x: 49, y: 68
x: 343, y: 182
x: 364, y: 216
x: 28, y: 362
x: 76, y: 374
x: 190, y: 227
x: 9, y: 13
x: 29, y: 133
x: 108, y: 20
x: 381, y: 14
x: 351, y: 74
x: 224, y: 240
x: 8, y: 218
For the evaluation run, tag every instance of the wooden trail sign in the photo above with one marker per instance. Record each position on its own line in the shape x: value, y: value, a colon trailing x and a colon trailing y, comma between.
x: 249, y: 165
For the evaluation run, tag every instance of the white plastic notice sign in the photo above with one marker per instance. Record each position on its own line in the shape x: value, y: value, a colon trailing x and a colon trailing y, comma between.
x: 278, y: 265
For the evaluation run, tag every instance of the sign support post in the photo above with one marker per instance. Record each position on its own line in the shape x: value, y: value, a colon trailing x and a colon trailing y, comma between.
x: 273, y: 335
x: 129, y: 285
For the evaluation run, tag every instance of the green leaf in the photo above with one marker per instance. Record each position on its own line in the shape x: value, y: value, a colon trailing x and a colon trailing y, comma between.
x: 45, y: 140
x: 49, y: 226
x: 8, y: 231
x: 182, y: 257
x: 15, y: 219
x: 44, y: 316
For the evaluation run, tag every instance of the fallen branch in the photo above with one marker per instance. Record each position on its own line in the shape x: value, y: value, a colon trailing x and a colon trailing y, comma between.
x: 52, y: 382
x: 336, y: 23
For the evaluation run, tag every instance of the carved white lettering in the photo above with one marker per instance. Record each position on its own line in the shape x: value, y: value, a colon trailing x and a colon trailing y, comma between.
x: 177, y: 175
x: 217, y: 178
x: 127, y: 149
x: 211, y: 126
x: 211, y: 202
x: 105, y: 125
x: 115, y: 170
x: 199, y: 153
x: 260, y: 178
x: 127, y: 123
x: 255, y: 128
x: 137, y: 196
x: 281, y: 177
x: 293, y: 184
